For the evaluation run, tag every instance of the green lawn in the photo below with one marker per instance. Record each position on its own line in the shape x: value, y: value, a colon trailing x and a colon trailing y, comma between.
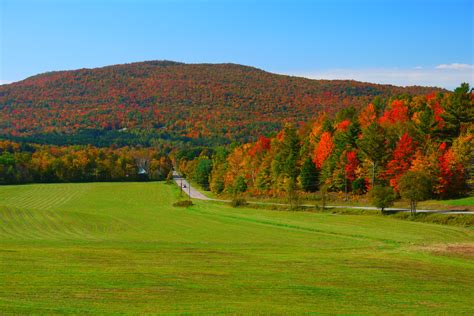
x: 469, y: 201
x: 122, y: 247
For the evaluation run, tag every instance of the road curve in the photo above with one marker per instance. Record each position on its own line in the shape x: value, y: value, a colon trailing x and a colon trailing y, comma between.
x: 195, y: 194
x: 187, y: 188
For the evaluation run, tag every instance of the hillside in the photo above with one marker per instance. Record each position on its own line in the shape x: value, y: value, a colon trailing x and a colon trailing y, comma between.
x: 172, y: 100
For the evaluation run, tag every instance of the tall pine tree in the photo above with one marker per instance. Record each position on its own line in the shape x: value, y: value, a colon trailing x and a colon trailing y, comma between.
x: 309, y: 176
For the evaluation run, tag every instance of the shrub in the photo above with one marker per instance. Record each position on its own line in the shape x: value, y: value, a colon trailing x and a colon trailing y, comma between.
x: 185, y: 203
x: 236, y: 202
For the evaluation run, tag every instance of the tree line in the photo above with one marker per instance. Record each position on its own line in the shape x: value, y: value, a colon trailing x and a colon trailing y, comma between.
x: 430, y: 138
x: 25, y: 163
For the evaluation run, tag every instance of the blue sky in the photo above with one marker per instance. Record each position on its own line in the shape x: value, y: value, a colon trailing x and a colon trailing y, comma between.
x: 386, y: 41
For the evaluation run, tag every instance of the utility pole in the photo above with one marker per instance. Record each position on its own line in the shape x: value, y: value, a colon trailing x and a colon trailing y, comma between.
x: 345, y: 186
x: 374, y: 165
x: 189, y: 195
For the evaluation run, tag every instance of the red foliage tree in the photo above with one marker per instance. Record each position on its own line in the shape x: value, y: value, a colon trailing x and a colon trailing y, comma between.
x: 398, y: 113
x: 352, y: 164
x: 401, y: 160
x: 323, y: 149
x: 367, y: 116
x: 343, y: 126
x: 261, y: 145
x: 450, y: 172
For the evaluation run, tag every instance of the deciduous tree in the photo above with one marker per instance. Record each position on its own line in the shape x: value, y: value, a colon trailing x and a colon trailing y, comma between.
x: 415, y: 186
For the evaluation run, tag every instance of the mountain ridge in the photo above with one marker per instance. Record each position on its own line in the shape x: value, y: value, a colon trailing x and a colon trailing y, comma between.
x: 226, y: 100
x: 164, y: 63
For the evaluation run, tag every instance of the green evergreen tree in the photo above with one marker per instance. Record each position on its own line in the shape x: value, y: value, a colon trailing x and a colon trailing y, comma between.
x: 458, y: 110
x: 285, y: 163
x: 264, y: 179
x: 426, y: 123
x: 373, y: 145
x: 309, y: 176
x: 202, y: 172
x: 358, y: 186
x: 290, y: 153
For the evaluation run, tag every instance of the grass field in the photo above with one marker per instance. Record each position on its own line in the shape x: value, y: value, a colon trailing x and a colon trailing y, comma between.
x: 123, y: 248
x: 469, y: 201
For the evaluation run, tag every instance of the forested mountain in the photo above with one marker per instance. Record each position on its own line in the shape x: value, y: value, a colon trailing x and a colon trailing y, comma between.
x: 133, y: 103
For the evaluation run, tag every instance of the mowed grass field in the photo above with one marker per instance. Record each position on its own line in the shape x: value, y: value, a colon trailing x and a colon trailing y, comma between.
x: 123, y: 248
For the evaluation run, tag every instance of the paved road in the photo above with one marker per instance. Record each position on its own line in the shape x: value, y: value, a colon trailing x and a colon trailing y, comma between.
x: 187, y: 188
x: 195, y: 194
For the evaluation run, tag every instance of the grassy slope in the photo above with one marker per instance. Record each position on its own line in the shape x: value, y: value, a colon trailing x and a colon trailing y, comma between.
x: 469, y: 201
x: 114, y: 247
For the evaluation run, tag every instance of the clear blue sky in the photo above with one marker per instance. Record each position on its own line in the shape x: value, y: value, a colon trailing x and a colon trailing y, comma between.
x: 400, y: 42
